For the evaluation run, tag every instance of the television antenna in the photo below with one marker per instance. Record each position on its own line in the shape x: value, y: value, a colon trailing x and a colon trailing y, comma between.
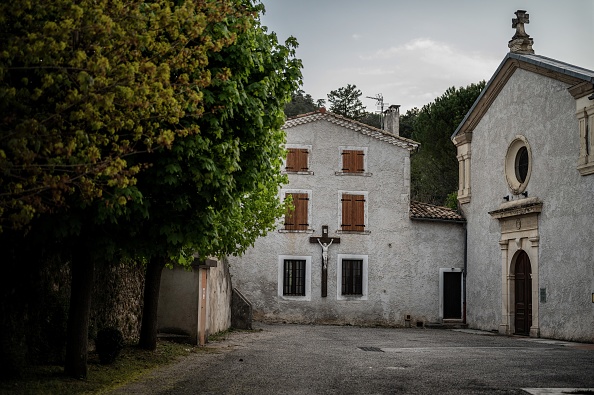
x: 379, y: 98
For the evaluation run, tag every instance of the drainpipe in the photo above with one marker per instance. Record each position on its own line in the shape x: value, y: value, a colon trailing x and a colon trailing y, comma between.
x: 464, y: 273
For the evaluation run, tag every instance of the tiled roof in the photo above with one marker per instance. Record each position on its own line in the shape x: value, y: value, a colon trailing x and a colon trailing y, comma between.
x: 360, y: 127
x: 425, y: 211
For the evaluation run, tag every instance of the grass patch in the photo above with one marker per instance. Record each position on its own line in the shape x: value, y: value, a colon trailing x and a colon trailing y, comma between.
x: 131, y: 364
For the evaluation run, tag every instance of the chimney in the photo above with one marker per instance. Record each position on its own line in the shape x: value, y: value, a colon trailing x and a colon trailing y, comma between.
x: 392, y: 120
x: 521, y: 42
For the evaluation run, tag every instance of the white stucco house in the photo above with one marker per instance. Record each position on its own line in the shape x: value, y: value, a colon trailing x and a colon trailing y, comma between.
x: 526, y: 188
x: 354, y: 250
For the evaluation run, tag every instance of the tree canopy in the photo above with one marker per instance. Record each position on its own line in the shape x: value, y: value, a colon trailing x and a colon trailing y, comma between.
x: 346, y: 101
x: 144, y: 129
x: 434, y: 168
x: 301, y: 103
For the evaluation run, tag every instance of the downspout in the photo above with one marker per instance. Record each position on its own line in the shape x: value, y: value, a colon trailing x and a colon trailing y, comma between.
x: 464, y: 273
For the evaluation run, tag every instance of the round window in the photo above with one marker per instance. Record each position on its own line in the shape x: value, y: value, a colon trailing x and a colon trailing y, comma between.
x: 518, y: 165
x: 522, y: 164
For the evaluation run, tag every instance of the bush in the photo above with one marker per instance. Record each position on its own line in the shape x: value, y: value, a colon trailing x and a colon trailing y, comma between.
x: 109, y: 343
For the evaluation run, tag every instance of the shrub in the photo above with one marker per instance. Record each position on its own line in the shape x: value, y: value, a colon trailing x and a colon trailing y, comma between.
x: 109, y: 343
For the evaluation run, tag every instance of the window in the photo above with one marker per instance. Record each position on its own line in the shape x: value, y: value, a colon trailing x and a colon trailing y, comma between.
x: 586, y: 126
x: 518, y: 165
x: 353, y: 161
x: 353, y: 211
x: 521, y: 166
x: 294, y: 277
x: 297, y: 217
x: 298, y: 159
x: 351, y: 277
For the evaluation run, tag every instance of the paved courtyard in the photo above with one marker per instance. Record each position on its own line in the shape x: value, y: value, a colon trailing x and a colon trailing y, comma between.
x: 307, y: 359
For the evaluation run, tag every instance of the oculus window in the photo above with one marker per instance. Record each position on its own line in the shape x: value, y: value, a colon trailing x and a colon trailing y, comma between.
x: 518, y: 165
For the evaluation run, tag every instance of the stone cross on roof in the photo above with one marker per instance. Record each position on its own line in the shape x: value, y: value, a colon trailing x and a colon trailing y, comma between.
x: 521, y: 41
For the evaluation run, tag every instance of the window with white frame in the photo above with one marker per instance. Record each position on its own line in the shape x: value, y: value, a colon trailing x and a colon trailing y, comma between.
x: 298, y: 157
x: 352, y: 276
x: 298, y: 215
x: 353, y: 161
x: 294, y: 277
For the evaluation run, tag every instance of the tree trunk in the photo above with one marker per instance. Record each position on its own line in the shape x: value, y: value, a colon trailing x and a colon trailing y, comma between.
x: 78, y: 318
x: 152, y: 283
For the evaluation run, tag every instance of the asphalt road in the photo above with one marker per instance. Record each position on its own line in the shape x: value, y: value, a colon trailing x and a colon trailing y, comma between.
x: 306, y: 359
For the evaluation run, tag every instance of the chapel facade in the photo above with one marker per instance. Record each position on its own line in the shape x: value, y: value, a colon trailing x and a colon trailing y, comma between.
x: 526, y: 187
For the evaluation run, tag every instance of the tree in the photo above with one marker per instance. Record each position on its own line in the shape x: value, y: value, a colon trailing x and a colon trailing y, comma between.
x: 372, y: 119
x: 434, y: 168
x: 91, y: 93
x: 346, y: 101
x: 83, y: 86
x: 214, y: 193
x: 301, y: 103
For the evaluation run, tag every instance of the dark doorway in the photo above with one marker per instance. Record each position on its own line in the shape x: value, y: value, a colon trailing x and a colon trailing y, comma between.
x: 452, y: 295
x: 523, y: 294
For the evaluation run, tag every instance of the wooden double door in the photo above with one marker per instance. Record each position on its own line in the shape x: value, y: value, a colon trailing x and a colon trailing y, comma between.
x: 523, y: 294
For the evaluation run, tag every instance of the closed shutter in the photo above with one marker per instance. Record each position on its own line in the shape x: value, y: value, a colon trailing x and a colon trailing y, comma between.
x: 353, y: 161
x: 353, y: 213
x: 296, y: 219
x: 359, y: 213
x: 297, y: 160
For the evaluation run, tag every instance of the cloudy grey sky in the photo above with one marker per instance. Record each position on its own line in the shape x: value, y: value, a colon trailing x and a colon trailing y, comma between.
x: 412, y: 51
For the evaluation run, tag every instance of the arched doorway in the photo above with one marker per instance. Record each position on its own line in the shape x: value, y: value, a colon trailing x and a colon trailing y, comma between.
x: 523, y: 294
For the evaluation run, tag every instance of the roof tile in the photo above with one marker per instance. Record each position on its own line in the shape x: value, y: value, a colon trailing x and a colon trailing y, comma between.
x: 425, y: 211
x: 360, y: 127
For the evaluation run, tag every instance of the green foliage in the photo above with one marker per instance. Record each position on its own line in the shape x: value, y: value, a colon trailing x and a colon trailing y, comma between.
x: 85, y: 85
x: 434, y: 168
x: 301, y: 103
x: 109, y: 344
x: 346, y: 101
x: 452, y: 201
x: 141, y: 129
x: 371, y: 119
x: 215, y: 192
x: 407, y: 122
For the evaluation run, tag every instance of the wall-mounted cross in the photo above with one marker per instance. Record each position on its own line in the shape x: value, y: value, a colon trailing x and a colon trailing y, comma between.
x: 325, y: 242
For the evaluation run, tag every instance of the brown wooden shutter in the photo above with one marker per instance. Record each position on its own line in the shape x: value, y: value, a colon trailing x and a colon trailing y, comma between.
x: 297, y: 160
x: 347, y: 209
x: 353, y: 213
x: 302, y: 155
x: 291, y: 164
x: 358, y: 213
x: 296, y: 219
x: 353, y: 161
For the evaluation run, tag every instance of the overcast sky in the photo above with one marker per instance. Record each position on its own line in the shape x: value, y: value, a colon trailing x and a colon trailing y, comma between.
x: 412, y: 51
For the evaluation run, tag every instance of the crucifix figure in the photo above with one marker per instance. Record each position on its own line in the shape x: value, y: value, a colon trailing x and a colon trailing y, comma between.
x: 325, y: 242
x: 325, y: 247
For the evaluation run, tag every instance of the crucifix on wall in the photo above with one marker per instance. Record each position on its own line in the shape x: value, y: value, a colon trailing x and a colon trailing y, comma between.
x: 325, y: 242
